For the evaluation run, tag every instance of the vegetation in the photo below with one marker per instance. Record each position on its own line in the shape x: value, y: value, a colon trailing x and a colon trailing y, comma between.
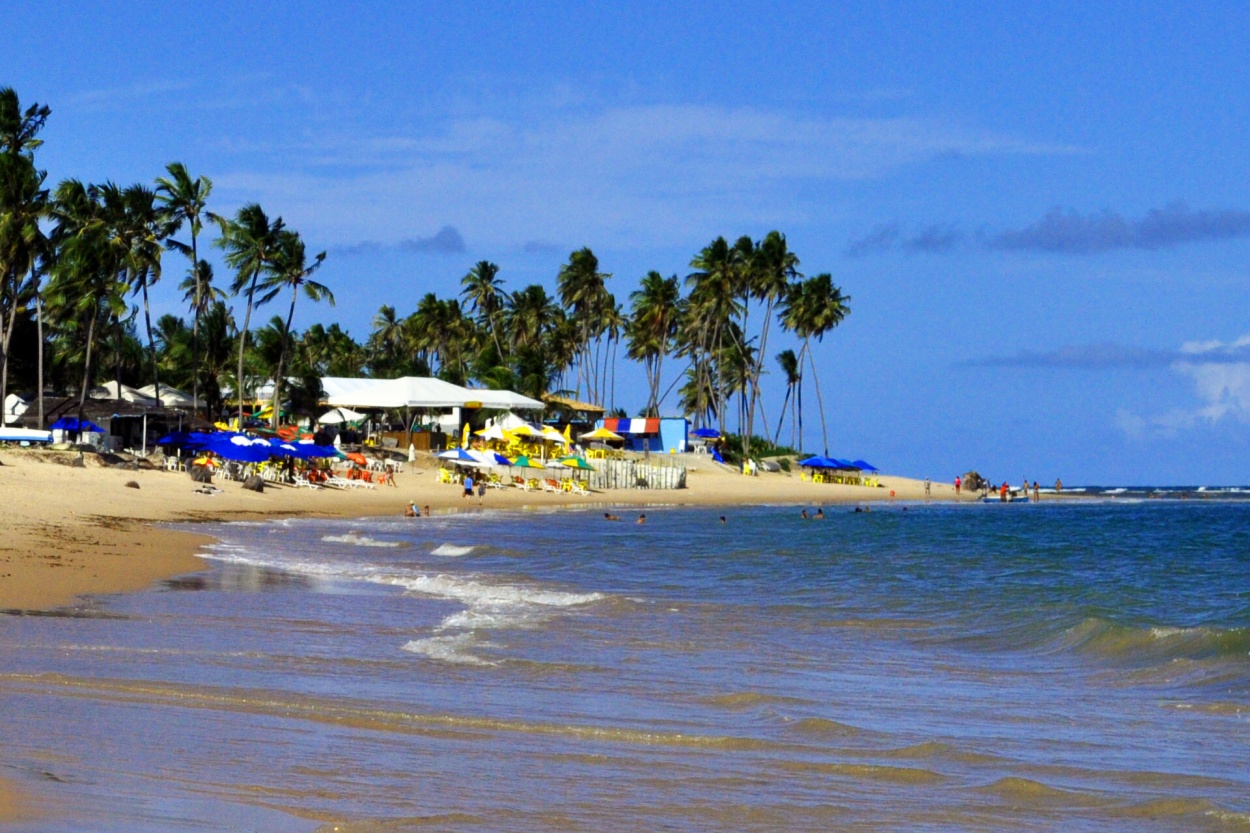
x: 73, y: 259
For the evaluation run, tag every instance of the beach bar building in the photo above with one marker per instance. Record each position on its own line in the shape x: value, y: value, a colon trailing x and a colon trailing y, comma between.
x: 661, y: 435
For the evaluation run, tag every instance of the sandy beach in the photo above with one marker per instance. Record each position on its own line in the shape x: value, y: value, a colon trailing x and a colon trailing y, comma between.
x: 74, y: 531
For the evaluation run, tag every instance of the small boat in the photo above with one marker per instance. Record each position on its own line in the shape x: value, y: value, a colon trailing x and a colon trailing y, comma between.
x: 1012, y: 497
x: 24, y: 435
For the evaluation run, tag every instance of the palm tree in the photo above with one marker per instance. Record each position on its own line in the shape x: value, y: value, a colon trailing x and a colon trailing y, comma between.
x: 652, y: 327
x: 23, y: 203
x: 386, y: 342
x: 290, y: 268
x: 772, y: 267
x: 251, y: 242
x: 142, y: 227
x: 584, y: 294
x: 789, y: 364
x: 715, y: 300
x: 484, y: 293
x: 184, y: 200
x: 810, y: 309
x: 85, y: 288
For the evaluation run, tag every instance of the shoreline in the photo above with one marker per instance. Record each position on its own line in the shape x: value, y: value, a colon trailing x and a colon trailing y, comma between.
x: 75, y: 532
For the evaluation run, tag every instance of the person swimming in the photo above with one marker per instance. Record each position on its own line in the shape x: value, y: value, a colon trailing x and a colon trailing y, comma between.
x: 642, y: 519
x: 803, y: 514
x: 608, y: 516
x: 820, y: 514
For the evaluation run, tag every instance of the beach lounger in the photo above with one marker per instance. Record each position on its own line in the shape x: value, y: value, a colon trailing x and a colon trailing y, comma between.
x: 577, y: 488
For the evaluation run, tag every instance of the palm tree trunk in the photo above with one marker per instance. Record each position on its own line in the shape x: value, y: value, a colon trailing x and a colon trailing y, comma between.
x: 247, y: 322
x: 782, y: 420
x: 86, y: 369
x: 824, y: 431
x: 277, y: 379
x: 6, y: 336
x: 147, y: 320
x: 802, y: 354
x: 195, y: 325
x: 39, y: 354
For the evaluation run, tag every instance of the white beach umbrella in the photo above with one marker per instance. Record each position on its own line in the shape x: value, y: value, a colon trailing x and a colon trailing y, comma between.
x: 337, y: 415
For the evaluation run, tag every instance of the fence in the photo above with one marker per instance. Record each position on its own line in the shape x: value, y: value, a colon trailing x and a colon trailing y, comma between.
x: 638, y: 474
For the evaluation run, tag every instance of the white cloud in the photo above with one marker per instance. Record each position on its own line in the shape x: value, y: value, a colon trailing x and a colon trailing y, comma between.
x: 1221, y: 386
x: 626, y: 175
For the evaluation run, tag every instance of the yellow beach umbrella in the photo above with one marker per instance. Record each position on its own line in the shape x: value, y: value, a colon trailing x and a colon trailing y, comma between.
x: 568, y: 433
x: 464, y: 436
x: 525, y: 430
x: 603, y: 434
x: 549, y: 433
x: 494, y: 433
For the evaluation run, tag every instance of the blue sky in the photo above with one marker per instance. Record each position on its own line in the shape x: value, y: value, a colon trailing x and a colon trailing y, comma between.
x: 1041, y: 211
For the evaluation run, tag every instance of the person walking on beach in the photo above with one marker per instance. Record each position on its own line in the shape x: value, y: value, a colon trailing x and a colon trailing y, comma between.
x: 958, y: 483
x: 481, y: 490
x: 468, y: 487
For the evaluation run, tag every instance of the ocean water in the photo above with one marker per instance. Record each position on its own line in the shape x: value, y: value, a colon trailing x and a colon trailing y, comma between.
x: 1074, y: 667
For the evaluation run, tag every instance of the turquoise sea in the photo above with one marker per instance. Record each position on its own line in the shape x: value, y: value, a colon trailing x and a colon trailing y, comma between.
x: 1077, y: 666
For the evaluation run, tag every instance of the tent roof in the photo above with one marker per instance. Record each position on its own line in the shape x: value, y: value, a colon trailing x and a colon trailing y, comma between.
x: 171, y: 397
x: 572, y: 404
x: 109, y: 390
x: 504, y: 399
x: 405, y: 392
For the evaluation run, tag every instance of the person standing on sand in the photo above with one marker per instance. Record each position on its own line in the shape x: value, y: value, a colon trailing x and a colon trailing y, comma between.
x: 958, y: 484
x: 1058, y: 486
x: 1037, y: 495
x: 481, y: 490
x: 926, y: 487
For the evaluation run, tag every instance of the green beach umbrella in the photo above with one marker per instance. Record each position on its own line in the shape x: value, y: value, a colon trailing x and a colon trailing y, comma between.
x: 525, y: 462
x: 574, y: 462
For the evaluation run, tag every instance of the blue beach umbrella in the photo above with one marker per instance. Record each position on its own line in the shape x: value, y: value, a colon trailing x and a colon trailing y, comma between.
x: 706, y: 433
x: 73, y: 424
x: 865, y: 466
x: 459, y: 455
x: 819, y: 463
x: 239, y: 452
x: 189, y: 440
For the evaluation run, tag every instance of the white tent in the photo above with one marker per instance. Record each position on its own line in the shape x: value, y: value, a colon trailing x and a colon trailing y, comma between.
x: 170, y: 397
x: 505, y: 400
x: 109, y: 390
x: 406, y: 392
x: 339, y: 415
x: 14, y: 407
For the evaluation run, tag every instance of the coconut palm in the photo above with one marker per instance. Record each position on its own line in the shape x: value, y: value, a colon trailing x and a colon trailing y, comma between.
x: 251, y: 242
x: 138, y: 228
x: 652, y: 326
x: 483, y: 290
x: 810, y: 309
x: 184, y: 200
x: 23, y: 203
x: 289, y: 268
x: 772, y: 268
x: 583, y: 292
x: 789, y: 364
x: 386, y: 343
x: 86, y: 291
x: 715, y: 300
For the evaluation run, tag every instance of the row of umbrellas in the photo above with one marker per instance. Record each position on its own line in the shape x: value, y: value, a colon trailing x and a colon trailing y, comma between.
x: 476, y: 458
x: 244, y: 449
x: 836, y: 463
